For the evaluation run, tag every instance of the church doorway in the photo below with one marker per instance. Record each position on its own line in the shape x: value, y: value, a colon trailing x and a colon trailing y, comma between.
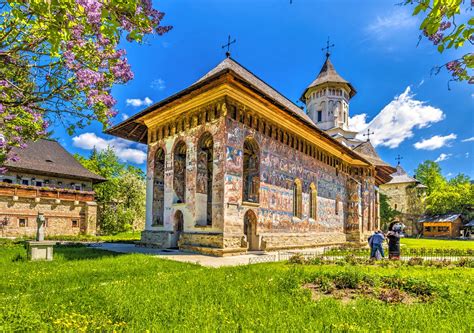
x: 178, y: 227
x: 250, y: 230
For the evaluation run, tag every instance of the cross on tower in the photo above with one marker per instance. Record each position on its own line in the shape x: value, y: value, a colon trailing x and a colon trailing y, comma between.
x: 229, y: 42
x: 398, y: 159
x: 368, y: 134
x: 328, y: 46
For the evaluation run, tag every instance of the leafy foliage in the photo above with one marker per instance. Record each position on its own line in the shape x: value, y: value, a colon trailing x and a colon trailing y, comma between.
x: 387, y: 213
x: 443, y: 196
x: 59, y: 60
x: 447, y: 24
x: 121, y: 199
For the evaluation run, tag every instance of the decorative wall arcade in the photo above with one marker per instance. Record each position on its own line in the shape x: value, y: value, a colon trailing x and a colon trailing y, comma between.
x: 254, y: 166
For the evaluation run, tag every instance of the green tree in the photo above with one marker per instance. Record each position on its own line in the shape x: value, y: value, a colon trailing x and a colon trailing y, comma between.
x: 447, y: 24
x: 443, y: 196
x: 121, y: 199
x: 387, y: 213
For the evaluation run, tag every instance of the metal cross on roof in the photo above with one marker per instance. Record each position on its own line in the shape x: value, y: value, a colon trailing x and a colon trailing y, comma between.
x: 229, y: 42
x: 368, y: 134
x: 328, y: 46
x: 398, y: 159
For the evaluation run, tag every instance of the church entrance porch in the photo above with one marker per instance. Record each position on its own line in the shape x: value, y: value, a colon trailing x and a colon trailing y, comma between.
x: 250, y: 231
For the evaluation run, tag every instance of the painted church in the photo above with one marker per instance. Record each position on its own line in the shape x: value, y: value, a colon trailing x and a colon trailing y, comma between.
x: 234, y: 166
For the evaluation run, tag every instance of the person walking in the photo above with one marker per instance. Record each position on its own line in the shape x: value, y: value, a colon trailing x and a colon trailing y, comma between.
x: 376, y: 245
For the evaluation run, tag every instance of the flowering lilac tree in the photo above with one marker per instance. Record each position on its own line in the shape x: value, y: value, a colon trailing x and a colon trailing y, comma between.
x: 59, y: 60
x: 448, y: 24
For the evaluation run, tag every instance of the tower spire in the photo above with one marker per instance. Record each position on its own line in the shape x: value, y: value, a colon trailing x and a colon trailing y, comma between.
x: 328, y: 46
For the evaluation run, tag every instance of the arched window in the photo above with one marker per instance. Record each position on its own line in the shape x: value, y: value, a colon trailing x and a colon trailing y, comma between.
x: 179, y: 172
x: 297, y: 199
x: 313, y: 201
x: 158, y: 187
x: 336, y: 206
x: 251, y: 171
x: 205, y: 170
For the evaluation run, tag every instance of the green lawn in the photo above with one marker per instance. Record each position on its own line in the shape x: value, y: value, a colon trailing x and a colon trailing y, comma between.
x: 427, y: 243
x: 85, y: 289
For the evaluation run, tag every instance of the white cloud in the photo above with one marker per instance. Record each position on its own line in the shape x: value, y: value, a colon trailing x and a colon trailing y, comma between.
x: 468, y: 139
x: 435, y: 142
x: 397, y: 120
x: 467, y: 155
x: 125, y: 116
x: 123, y: 148
x: 443, y: 157
x: 384, y: 27
x: 158, y: 84
x: 136, y: 102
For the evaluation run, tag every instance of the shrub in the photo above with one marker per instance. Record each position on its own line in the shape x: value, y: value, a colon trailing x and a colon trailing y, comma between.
x: 415, y: 261
x: 297, y: 259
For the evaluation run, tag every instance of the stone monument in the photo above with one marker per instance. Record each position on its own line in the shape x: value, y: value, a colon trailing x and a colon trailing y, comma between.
x: 40, y: 249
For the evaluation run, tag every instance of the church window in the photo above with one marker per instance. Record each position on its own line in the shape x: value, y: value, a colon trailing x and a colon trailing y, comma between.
x: 320, y: 116
x: 9, y: 181
x: 158, y: 206
x: 297, y: 199
x: 22, y: 222
x: 251, y: 171
x: 75, y: 223
x: 205, y: 170
x: 179, y: 173
x: 313, y: 201
x: 337, y: 206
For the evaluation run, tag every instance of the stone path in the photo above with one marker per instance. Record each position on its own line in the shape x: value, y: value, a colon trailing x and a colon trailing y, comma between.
x: 195, y: 258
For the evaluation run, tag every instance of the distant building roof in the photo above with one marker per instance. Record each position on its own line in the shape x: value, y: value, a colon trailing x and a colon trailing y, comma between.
x: 400, y: 176
x: 439, y: 218
x: 328, y: 74
x: 470, y: 224
x: 367, y: 150
x: 48, y: 157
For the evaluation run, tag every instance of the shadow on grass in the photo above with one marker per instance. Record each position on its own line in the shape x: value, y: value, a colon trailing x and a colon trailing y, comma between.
x: 82, y: 253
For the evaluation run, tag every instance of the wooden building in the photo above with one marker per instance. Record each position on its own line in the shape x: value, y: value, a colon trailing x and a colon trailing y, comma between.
x: 446, y: 225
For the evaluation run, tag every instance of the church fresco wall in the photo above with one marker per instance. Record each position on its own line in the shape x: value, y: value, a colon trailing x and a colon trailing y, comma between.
x: 194, y: 233
x: 280, y: 166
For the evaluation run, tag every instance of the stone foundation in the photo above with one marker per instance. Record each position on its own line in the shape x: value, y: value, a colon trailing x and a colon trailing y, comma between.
x: 285, y: 241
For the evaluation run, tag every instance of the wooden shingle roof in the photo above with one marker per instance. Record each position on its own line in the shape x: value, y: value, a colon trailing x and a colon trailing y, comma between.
x: 328, y: 74
x: 48, y: 157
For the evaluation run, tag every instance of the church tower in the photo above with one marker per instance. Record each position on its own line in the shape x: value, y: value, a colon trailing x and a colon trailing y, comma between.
x: 327, y: 98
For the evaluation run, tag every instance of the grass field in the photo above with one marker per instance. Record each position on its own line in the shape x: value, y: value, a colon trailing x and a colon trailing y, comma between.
x: 123, y: 237
x: 428, y: 243
x: 85, y: 289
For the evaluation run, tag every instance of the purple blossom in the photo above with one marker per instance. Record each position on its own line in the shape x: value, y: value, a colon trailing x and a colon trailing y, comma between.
x: 86, y: 77
x: 122, y: 71
x: 436, y: 38
x: 444, y: 25
x: 93, y: 9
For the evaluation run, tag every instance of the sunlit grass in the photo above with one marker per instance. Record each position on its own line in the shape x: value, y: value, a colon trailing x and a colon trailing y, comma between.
x: 436, y: 243
x: 87, y: 289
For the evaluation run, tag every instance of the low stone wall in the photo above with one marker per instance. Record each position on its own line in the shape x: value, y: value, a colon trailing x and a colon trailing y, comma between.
x: 281, y: 241
x: 158, y: 239
x: 201, y: 240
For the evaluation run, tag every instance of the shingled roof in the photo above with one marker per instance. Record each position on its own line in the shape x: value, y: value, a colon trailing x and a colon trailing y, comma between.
x: 328, y: 74
x: 400, y: 176
x: 48, y: 157
x: 367, y: 150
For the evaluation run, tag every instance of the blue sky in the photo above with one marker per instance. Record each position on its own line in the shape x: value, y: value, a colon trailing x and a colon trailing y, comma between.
x: 412, y: 113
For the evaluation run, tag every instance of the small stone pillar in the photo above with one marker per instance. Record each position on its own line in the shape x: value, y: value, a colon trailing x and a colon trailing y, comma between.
x: 40, y: 249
